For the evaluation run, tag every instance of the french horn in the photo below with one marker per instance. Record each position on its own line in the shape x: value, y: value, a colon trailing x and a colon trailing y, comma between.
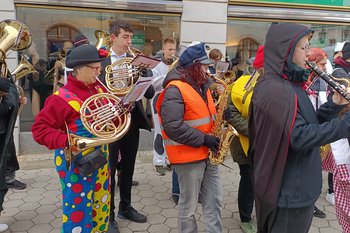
x: 121, y: 76
x: 103, y: 116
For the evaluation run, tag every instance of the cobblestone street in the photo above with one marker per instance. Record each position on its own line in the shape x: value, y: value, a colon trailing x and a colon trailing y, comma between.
x: 37, y: 208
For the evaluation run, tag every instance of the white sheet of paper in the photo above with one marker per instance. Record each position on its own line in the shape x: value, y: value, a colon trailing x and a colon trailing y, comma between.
x: 139, y: 89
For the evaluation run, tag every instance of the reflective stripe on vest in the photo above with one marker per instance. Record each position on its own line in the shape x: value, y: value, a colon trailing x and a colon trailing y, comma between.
x: 198, y: 115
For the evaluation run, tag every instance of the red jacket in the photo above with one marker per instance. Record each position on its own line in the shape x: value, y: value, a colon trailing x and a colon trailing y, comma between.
x: 49, y: 127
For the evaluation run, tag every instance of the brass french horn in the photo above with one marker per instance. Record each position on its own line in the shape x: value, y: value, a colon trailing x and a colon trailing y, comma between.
x: 121, y: 76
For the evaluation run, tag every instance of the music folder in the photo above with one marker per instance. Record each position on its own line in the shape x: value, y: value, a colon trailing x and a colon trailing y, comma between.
x: 145, y: 62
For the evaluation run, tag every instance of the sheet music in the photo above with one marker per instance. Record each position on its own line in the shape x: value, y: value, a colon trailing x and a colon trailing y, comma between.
x: 138, y: 90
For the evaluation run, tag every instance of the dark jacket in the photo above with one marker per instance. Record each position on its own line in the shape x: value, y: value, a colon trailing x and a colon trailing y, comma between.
x: 339, y: 62
x: 138, y: 114
x: 8, y: 117
x: 241, y: 125
x: 172, y: 112
x: 284, y: 131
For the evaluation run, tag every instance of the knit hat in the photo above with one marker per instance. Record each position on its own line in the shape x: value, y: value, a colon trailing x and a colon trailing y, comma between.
x: 80, y: 40
x: 194, y: 54
x: 259, y: 58
x: 346, y: 50
x: 82, y: 55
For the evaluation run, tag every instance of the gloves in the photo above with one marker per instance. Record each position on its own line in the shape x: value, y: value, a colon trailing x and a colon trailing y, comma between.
x: 11, y: 99
x: 226, y: 114
x: 211, y: 142
x: 4, y: 84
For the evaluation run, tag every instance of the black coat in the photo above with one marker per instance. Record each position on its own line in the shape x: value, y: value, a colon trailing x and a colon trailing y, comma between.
x: 284, y: 131
x: 8, y: 118
x: 138, y: 114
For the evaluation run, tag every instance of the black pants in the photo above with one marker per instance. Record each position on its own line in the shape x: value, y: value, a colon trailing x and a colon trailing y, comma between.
x: 245, y: 193
x: 288, y: 220
x: 12, y: 164
x: 330, y: 183
x: 127, y: 146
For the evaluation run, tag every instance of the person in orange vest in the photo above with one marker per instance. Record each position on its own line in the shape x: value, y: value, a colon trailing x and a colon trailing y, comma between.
x: 186, y: 111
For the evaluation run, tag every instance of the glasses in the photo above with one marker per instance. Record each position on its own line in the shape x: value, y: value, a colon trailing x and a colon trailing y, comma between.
x: 95, y: 68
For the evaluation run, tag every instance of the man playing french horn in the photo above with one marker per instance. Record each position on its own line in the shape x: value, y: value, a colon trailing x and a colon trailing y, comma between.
x: 85, y: 197
x: 119, y: 76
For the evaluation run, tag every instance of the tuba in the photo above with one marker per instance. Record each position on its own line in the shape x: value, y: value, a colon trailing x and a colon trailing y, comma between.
x: 24, y: 68
x: 103, y: 40
x: 121, y: 76
x: 225, y: 133
x: 16, y: 36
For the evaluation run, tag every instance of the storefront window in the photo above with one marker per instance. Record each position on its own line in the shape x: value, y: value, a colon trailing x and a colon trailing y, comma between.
x: 243, y: 38
x: 51, y: 28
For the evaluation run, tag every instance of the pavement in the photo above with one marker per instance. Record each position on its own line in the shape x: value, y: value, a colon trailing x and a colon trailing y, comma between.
x: 37, y: 209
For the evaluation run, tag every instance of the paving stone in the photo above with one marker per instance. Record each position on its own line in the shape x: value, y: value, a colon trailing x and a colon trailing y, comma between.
x: 21, y: 226
x: 46, y: 209
x: 159, y: 228
x: 148, y: 201
x: 155, y: 218
x: 40, y: 228
x: 44, y: 218
x: 41, y: 204
x: 138, y: 226
x: 25, y: 215
x: 171, y: 222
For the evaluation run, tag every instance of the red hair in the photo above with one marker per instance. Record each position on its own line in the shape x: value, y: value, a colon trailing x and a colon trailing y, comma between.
x: 317, y: 55
x: 195, y: 73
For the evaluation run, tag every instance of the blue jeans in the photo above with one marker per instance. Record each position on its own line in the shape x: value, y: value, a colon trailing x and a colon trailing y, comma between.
x: 175, y: 184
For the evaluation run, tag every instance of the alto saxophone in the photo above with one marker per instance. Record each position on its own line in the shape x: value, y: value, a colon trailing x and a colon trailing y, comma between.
x: 224, y: 131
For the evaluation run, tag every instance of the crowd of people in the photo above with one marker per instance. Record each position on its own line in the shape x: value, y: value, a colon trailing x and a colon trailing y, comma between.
x: 283, y: 112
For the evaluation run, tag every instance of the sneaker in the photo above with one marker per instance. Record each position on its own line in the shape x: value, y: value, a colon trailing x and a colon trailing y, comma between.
x: 247, y: 227
x: 319, y: 213
x: 134, y: 183
x: 132, y: 215
x: 3, y: 227
x: 159, y: 170
x: 175, y: 198
x: 113, y: 227
x: 330, y: 198
x: 16, y: 185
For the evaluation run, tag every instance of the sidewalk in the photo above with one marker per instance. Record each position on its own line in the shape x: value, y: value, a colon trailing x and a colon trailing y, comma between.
x: 37, y: 208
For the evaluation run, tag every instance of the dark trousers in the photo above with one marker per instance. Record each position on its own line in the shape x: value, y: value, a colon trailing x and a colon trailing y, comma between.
x: 330, y: 183
x: 127, y: 147
x: 12, y: 164
x: 245, y: 193
x: 290, y: 220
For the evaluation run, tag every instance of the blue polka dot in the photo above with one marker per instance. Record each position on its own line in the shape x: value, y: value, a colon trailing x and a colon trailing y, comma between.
x: 67, y: 96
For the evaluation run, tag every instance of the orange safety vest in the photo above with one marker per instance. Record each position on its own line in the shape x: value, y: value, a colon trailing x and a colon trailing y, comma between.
x: 198, y: 115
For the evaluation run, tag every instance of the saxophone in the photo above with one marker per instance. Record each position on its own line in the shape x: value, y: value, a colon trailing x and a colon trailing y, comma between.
x: 224, y: 131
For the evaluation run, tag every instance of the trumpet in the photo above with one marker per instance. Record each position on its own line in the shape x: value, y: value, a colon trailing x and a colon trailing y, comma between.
x: 329, y: 79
